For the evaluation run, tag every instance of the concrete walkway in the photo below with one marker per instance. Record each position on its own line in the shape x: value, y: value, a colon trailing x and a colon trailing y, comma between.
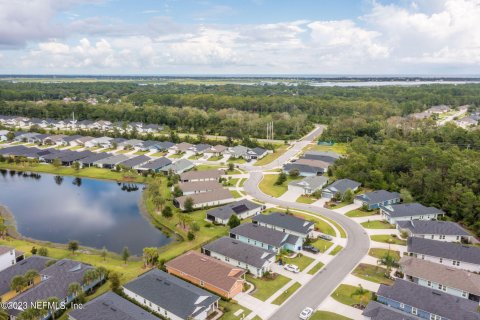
x: 368, y: 218
x: 290, y: 195
x: 355, y: 281
x: 334, y: 306
x: 347, y: 208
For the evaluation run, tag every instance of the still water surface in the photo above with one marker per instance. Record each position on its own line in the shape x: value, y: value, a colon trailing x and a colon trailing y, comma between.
x: 94, y: 212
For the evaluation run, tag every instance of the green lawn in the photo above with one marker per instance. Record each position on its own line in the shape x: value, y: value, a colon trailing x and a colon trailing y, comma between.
x: 235, y: 194
x: 343, y: 234
x: 316, y: 268
x: 300, y: 261
x: 138, y: 153
x: 380, y: 253
x: 237, y: 160
x: 272, y: 156
x: 322, y: 245
x: 229, y: 308
x: 320, y: 224
x: 336, y: 250
x: 305, y: 199
x: 242, y: 182
x: 326, y: 315
x: 76, y: 148
x: 372, y: 273
x: 377, y: 224
x: 386, y: 238
x: 340, y: 148
x: 360, y: 213
x: 286, y: 294
x: 177, y: 155
x: 123, y: 151
x: 265, y: 288
x: 205, y: 167
x: 232, y: 182
x: 159, y: 154
x: 215, y: 158
x: 346, y: 294
x: 339, y: 205
x: 195, y: 157
x: 267, y: 185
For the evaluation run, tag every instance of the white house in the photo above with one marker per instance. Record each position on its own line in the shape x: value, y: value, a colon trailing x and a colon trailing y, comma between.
x: 3, y: 135
x: 435, y: 230
x: 308, y: 185
x: 239, y: 254
x: 205, y: 199
x: 171, y: 297
x: 286, y: 223
x: 242, y: 209
x: 450, y: 254
x: 409, y: 211
x: 7, y: 257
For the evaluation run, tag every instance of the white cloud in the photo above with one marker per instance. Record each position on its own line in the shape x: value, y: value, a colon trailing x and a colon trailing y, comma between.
x: 420, y: 37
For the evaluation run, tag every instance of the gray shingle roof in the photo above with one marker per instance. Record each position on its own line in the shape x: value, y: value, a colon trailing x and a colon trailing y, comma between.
x: 33, y: 263
x: 110, y: 306
x: 259, y: 151
x: 427, y: 299
x: 285, y: 221
x: 59, y: 276
x: 379, y: 311
x: 441, y: 249
x: 433, y: 227
x: 343, y: 185
x: 302, y: 168
x: 235, y: 249
x: 179, y: 166
x: 135, y: 161
x: 237, y: 207
x: 378, y: 196
x: 313, y: 182
x: 262, y: 234
x: 409, y: 209
x: 157, y: 164
x: 113, y: 160
x: 95, y: 157
x: 171, y: 293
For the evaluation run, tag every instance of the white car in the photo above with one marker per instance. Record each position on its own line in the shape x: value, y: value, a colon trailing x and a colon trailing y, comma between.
x: 306, y: 313
x: 291, y: 267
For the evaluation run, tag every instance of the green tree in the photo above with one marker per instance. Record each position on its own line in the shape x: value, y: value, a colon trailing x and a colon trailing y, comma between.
x: 114, y: 278
x: 10, y: 136
x: 177, y: 192
x: 104, y: 253
x: 348, y: 196
x: 18, y: 283
x: 150, y: 256
x: 167, y: 212
x: 125, y: 255
x: 30, y: 276
x: 73, y: 246
x: 231, y: 166
x: 282, y: 177
x: 406, y: 195
x: 188, y: 204
x: 234, y: 221
x: 42, y: 251
x: 57, y: 163
x: 74, y: 289
x: 190, y: 235
x: 52, y: 302
x: 76, y: 165
x: 294, y: 173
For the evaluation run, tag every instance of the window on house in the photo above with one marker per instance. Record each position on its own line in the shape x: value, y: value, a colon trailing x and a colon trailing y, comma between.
x: 433, y: 236
x: 414, y: 311
x: 429, y: 283
x: 435, y: 317
x: 202, y: 283
x: 441, y: 260
x: 423, y: 256
x: 458, y: 237
x: 464, y: 294
x: 402, y: 305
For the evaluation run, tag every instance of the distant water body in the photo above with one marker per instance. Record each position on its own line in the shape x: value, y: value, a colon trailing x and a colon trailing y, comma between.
x: 383, y: 83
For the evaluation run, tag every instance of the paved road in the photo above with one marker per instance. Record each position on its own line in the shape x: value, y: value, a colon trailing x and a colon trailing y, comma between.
x: 321, y: 286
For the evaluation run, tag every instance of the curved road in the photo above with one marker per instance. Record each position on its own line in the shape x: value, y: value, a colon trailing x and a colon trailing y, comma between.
x: 323, y: 283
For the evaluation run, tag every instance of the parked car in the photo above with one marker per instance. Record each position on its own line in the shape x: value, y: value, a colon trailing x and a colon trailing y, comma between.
x: 292, y: 268
x: 311, y: 249
x: 306, y: 313
x: 325, y: 237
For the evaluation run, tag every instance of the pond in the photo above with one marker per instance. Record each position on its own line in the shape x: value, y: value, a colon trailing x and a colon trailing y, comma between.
x: 96, y: 213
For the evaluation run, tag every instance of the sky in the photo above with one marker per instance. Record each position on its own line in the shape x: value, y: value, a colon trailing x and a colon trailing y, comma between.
x: 265, y: 37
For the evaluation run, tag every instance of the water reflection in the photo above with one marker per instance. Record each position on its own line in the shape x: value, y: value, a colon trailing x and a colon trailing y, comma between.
x: 96, y: 213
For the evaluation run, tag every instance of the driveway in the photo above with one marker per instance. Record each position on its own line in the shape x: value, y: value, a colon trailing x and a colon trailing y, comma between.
x: 290, y: 195
x: 347, y: 208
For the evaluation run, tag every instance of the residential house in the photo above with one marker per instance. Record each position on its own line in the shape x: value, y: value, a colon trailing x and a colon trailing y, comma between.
x: 198, y: 187
x: 131, y: 144
x: 447, y: 253
x: 84, y: 124
x: 256, y: 153
x: 236, y: 253
x: 152, y: 128
x: 207, y: 272
x: 200, y: 148
x: 322, y: 166
x: 56, y: 139
x: 81, y: 141
x: 242, y: 209
x: 467, y: 122
x: 178, y: 167
x: 286, y: 223
x: 102, y: 125
x: 171, y: 297
x: 201, y: 176
x: 55, y: 281
x: 155, y: 165
x: 103, y: 142
x: 308, y: 185
x: 68, y: 139
x: 216, y: 151
x: 379, y: 311
x: 147, y: 145
x: 325, y: 156
x: 303, y: 169
x: 110, y: 306
x: 238, y: 152
x: 426, y: 303
x: 266, y: 238
x: 7, y: 257
x: 340, y: 186
x: 435, y: 230
x: 409, y: 211
x: 135, y: 162
x: 456, y: 282
x: 116, y: 142
x: 90, y: 160
x: 26, y: 137
x: 38, y: 139
x: 110, y: 162
x: 37, y: 263
x: 375, y: 199
x: 205, y: 199
x: 182, y: 147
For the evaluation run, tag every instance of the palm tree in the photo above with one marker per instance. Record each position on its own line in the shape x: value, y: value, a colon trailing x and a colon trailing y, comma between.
x: 29, y: 314
x: 52, y: 306
x: 74, y: 289
x: 17, y: 283
x: 3, y: 315
x: 89, y: 276
x: 30, y: 276
x: 362, y: 293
